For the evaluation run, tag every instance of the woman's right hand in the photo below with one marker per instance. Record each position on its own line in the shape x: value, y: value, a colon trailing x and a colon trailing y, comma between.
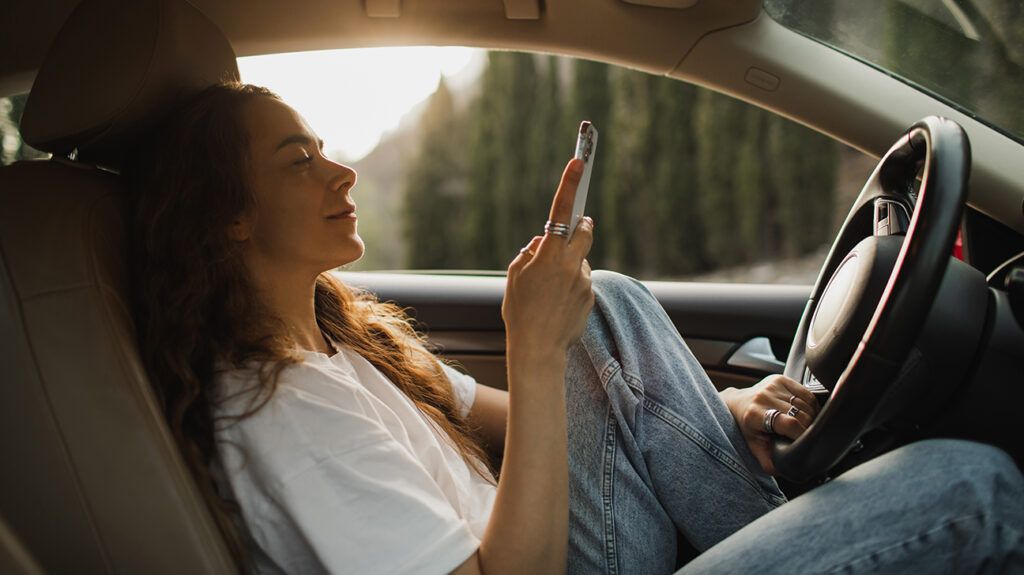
x: 547, y: 293
x: 748, y: 407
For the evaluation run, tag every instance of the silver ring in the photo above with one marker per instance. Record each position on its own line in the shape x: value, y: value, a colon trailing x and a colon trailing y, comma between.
x: 769, y: 420
x: 793, y: 411
x: 792, y: 398
x: 556, y: 229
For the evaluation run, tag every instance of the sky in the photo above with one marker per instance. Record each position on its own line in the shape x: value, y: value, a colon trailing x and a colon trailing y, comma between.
x: 352, y: 97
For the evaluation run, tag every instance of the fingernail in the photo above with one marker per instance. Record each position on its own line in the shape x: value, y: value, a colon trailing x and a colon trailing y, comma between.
x: 589, y: 219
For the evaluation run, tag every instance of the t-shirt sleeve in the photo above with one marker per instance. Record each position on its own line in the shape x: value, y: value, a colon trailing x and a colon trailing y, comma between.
x: 464, y: 387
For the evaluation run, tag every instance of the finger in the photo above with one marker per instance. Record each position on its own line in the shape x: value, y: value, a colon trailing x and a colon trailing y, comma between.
x: 788, y: 426
x: 583, y: 238
x: 811, y: 410
x: 525, y: 255
x: 805, y: 417
x: 796, y: 389
x: 782, y: 395
x: 585, y: 266
x: 561, y: 206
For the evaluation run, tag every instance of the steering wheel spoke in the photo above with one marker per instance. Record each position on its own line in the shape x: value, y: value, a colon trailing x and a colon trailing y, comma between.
x: 891, y: 217
x: 814, y: 386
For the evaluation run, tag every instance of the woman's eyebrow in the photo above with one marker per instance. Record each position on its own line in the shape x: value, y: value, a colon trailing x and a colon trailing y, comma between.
x: 299, y: 139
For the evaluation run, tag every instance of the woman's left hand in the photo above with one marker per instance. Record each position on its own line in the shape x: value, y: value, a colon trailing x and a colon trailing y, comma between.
x: 797, y: 409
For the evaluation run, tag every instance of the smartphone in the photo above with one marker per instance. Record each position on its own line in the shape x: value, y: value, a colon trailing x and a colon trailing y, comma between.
x: 586, y: 147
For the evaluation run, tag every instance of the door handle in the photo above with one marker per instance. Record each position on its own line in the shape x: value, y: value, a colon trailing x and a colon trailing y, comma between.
x: 756, y: 353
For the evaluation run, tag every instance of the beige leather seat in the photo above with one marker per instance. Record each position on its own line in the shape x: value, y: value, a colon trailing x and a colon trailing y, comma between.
x: 92, y: 480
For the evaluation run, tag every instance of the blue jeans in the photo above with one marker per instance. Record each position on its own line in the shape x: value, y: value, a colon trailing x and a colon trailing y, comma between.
x: 655, y: 457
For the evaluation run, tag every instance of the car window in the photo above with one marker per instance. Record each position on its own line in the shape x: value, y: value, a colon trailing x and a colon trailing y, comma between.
x: 968, y: 53
x: 459, y: 160
x: 12, y: 148
x: 687, y: 184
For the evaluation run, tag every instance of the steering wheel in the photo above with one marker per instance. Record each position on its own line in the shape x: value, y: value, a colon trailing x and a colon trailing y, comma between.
x: 874, y: 293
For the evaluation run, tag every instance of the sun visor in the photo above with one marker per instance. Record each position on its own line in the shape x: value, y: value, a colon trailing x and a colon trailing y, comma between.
x: 116, y: 68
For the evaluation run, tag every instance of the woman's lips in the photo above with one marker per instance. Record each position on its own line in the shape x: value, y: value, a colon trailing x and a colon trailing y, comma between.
x: 348, y: 213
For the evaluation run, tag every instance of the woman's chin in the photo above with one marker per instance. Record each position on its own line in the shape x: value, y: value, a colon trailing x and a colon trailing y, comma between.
x: 354, y: 252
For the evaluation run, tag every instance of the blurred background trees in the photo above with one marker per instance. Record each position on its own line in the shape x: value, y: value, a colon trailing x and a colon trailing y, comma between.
x: 685, y: 181
x: 12, y: 148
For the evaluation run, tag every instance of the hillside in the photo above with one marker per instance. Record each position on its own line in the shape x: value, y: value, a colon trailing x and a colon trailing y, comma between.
x: 378, y: 191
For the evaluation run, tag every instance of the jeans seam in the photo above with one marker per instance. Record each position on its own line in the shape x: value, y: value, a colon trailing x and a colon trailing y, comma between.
x: 634, y: 383
x: 902, y: 542
x: 608, y: 493
x: 708, y: 446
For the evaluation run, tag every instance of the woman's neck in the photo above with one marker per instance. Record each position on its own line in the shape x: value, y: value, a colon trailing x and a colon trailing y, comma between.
x: 290, y: 297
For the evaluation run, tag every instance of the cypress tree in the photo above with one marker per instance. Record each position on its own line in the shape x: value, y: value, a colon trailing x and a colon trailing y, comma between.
x: 674, y: 180
x: 590, y: 99
x: 549, y: 147
x: 478, y: 237
x: 519, y: 196
x: 629, y: 233
x: 803, y: 173
x: 434, y: 188
x: 751, y: 188
x: 718, y: 124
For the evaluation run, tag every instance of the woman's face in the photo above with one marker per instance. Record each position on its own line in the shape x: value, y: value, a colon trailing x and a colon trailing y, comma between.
x: 304, y: 216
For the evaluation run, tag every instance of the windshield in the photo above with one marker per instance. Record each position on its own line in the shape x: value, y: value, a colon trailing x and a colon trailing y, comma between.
x: 968, y: 53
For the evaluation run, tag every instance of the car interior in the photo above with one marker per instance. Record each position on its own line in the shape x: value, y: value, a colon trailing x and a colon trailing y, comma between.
x: 95, y: 481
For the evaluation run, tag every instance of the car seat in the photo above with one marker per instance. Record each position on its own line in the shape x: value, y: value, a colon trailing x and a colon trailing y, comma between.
x: 93, y: 480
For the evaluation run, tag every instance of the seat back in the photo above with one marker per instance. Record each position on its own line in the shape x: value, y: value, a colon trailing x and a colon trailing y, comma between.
x: 93, y: 480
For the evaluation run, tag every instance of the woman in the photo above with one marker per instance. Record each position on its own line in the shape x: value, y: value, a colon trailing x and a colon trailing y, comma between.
x: 329, y: 439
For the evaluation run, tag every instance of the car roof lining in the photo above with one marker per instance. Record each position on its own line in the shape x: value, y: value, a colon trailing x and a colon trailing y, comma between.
x: 614, y: 31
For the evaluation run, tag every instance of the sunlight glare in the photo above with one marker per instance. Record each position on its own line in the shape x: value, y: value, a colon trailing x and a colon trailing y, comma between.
x: 352, y: 97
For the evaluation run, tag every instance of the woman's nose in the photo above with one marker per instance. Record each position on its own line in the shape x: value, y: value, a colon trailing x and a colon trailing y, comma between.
x: 344, y: 177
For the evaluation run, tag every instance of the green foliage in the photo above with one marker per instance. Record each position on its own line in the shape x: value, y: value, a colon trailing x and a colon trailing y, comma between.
x: 590, y: 99
x: 435, y: 189
x: 629, y: 159
x: 804, y: 189
x: 719, y: 128
x: 674, y: 207
x: 753, y: 200
x: 484, y: 153
x: 685, y: 180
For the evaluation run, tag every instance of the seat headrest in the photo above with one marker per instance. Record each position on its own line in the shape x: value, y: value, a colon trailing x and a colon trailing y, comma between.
x: 115, y: 69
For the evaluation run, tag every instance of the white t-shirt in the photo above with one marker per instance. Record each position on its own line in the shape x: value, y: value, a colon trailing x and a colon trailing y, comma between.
x: 340, y: 473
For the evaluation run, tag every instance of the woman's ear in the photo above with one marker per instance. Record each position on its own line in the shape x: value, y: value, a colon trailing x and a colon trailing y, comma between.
x: 240, y: 230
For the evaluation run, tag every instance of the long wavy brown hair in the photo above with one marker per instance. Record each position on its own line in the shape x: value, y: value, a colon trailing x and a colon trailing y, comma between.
x: 196, y: 307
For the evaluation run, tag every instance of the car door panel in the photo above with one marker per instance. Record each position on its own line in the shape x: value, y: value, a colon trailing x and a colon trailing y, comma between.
x: 461, y: 315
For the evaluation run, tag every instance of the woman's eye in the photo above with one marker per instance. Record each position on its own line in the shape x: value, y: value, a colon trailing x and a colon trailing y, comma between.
x: 303, y: 160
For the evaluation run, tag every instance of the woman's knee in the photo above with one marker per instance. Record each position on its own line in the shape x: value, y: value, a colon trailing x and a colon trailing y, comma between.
x: 987, y: 486
x: 977, y: 478
x: 968, y: 459
x: 609, y: 283
x: 618, y: 291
